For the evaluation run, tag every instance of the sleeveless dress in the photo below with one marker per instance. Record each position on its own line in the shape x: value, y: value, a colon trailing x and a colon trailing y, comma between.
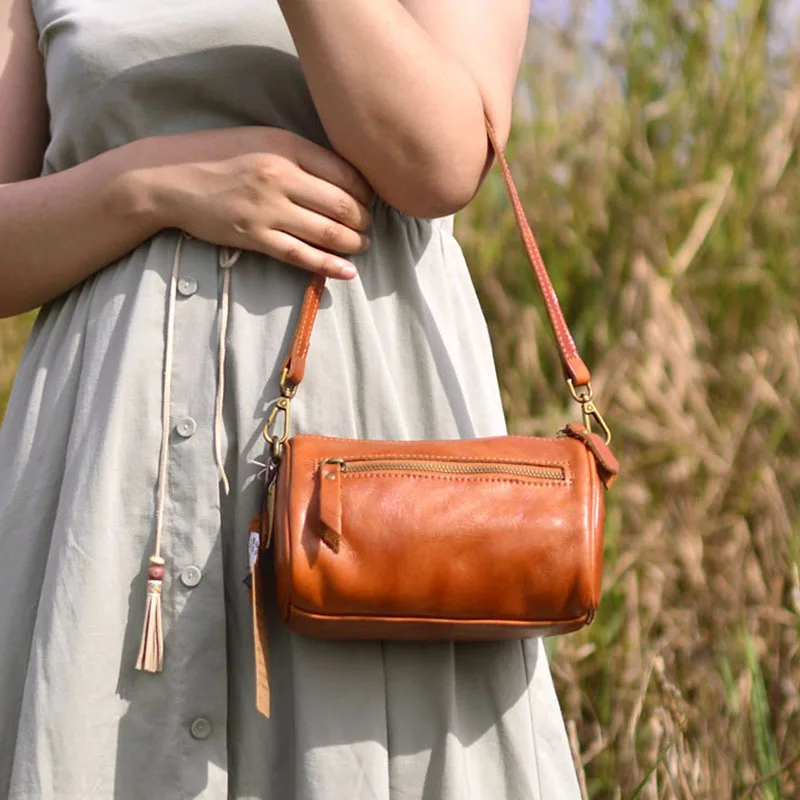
x: 401, y: 352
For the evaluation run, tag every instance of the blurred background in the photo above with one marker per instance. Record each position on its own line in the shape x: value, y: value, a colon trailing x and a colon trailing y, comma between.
x: 655, y: 147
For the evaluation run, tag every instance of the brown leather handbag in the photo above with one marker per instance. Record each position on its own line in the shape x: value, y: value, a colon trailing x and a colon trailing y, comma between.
x: 476, y: 539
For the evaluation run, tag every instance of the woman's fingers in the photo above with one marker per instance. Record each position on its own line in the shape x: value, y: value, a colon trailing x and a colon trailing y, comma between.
x: 329, y: 200
x: 271, y: 191
x: 298, y: 253
x: 324, y: 164
x: 321, y: 230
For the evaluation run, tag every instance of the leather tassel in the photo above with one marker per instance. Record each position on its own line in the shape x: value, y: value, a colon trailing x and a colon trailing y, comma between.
x: 151, y: 651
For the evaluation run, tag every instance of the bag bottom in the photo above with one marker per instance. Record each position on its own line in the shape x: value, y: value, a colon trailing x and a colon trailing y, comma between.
x: 353, y: 626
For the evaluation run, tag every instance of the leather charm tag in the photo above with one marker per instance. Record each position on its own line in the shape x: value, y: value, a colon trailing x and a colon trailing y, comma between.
x: 258, y: 603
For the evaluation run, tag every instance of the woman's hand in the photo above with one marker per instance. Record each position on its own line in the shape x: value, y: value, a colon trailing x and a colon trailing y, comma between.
x: 257, y: 188
x: 262, y: 189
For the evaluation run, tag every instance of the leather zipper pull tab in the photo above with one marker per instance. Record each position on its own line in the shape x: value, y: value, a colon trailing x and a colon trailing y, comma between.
x: 269, y: 517
x: 330, y: 503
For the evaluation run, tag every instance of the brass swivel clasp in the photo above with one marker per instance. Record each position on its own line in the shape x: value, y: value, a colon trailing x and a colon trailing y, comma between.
x: 283, y: 405
x: 584, y: 396
x: 274, y: 433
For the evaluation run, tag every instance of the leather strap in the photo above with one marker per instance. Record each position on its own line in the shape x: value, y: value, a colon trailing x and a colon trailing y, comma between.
x: 574, y: 369
x: 294, y: 365
x: 572, y: 363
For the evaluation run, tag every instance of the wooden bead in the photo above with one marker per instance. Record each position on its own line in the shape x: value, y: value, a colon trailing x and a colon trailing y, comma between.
x: 156, y: 573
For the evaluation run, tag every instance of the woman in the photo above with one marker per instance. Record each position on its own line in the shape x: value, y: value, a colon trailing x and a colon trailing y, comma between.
x: 227, y: 150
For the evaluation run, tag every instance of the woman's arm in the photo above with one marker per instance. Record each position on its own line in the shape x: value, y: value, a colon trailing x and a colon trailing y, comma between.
x: 47, y: 221
x: 56, y: 230
x: 256, y: 188
x: 402, y: 87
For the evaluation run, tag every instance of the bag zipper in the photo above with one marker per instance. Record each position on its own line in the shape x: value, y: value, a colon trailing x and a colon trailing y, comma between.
x: 332, y: 470
x: 442, y: 467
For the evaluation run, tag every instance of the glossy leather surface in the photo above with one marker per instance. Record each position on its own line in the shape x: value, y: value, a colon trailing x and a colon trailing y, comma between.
x: 438, y: 555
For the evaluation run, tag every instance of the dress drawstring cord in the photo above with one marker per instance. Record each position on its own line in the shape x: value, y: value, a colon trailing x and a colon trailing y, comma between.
x: 227, y: 259
x: 151, y: 650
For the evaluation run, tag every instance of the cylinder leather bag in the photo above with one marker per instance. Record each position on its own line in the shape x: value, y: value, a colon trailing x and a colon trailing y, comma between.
x: 474, y: 539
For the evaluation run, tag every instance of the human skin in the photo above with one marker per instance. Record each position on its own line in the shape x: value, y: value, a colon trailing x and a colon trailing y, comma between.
x: 424, y: 149
x: 421, y: 144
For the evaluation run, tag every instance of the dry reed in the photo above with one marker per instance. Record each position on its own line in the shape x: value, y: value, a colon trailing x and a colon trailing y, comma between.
x: 660, y: 170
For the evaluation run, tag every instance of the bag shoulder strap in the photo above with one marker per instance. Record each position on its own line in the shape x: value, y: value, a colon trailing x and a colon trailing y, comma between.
x: 574, y: 368
x: 575, y: 371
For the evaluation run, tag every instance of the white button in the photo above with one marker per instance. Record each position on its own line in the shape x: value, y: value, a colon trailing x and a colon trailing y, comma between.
x: 191, y: 576
x: 187, y: 286
x: 201, y: 728
x: 186, y: 427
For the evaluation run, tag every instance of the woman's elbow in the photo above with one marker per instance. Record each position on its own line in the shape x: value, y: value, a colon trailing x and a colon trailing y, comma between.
x: 437, y: 190
x: 9, y: 309
x: 12, y: 301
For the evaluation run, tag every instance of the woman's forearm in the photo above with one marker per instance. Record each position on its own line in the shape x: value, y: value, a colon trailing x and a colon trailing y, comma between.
x: 252, y: 187
x: 393, y: 101
x: 61, y: 228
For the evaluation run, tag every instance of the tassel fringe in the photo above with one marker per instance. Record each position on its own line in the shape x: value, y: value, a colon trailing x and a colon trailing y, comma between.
x: 151, y: 651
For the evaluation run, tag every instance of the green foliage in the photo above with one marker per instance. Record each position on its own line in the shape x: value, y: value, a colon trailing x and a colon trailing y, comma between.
x: 13, y: 333
x: 763, y: 725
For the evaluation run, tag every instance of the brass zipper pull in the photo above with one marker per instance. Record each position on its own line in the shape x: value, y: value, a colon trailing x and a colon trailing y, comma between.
x: 267, y: 535
x: 272, y: 485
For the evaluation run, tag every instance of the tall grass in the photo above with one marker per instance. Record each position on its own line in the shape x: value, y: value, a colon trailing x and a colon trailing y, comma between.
x: 13, y: 333
x: 659, y: 167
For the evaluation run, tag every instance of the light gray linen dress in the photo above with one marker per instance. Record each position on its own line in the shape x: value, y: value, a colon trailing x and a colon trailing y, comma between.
x: 402, y: 352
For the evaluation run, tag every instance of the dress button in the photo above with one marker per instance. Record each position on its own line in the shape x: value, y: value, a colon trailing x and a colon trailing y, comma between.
x: 201, y: 728
x: 186, y: 427
x: 191, y: 576
x: 187, y: 286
